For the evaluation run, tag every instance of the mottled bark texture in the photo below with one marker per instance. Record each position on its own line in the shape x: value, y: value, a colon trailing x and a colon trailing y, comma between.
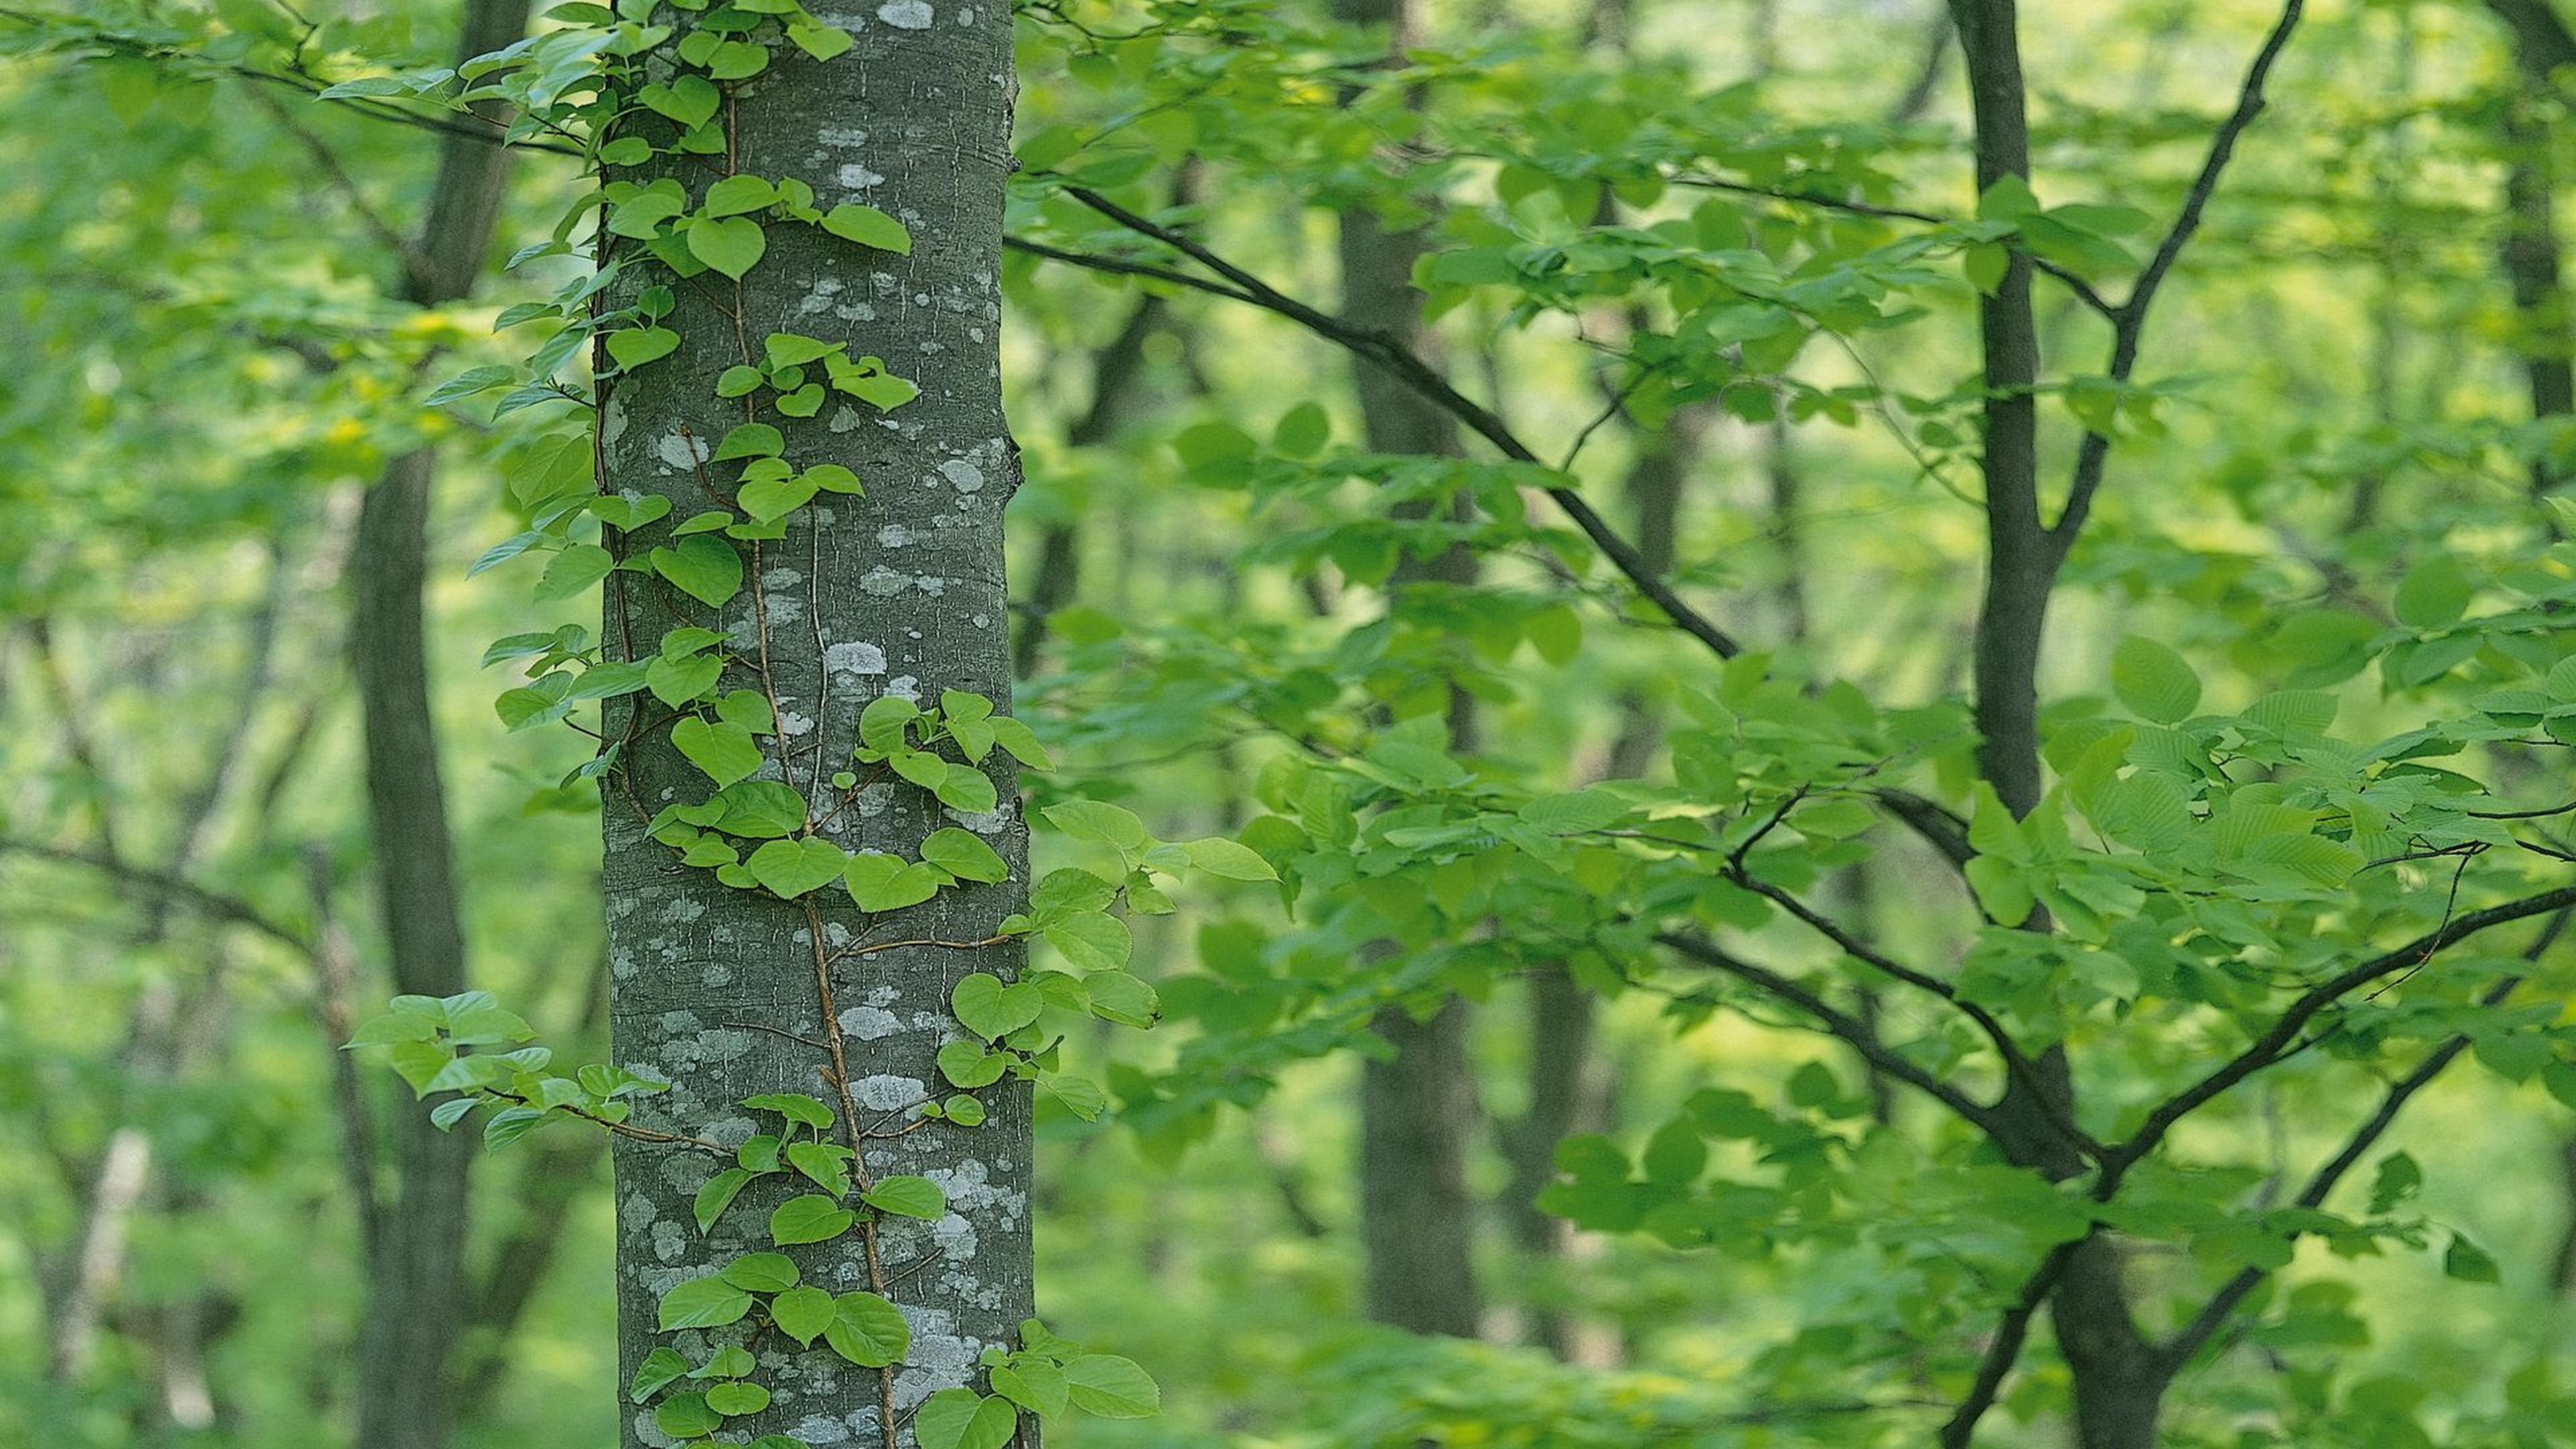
x: 900, y: 592
x: 416, y: 1297
x: 1418, y: 1104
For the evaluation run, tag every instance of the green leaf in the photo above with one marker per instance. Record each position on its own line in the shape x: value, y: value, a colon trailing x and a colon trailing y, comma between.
x: 708, y: 1302
x: 963, y: 854
x: 733, y: 1361
x: 573, y: 570
x: 1034, y: 1384
x: 686, y: 1416
x: 762, y: 1272
x: 705, y: 567
x: 731, y: 244
x: 1099, y: 820
x: 632, y: 347
x: 1119, y: 997
x: 812, y: 1218
x: 1092, y: 940
x: 968, y: 791
x: 790, y: 868
x: 867, y: 1330
x: 802, y: 1313
x: 2154, y: 681
x: 725, y: 752
x: 1302, y: 431
x: 788, y: 349
x: 717, y: 1194
x: 825, y: 1164
x: 991, y: 1010
x: 823, y: 42
x: 735, y: 195
x: 774, y: 495
x: 882, y: 723
x: 1228, y: 859
x: 677, y: 681
x: 910, y: 1197
x: 868, y: 227
x: 749, y: 440
x: 734, y: 1400
x: 964, y: 1419
x: 794, y: 1106
x: 880, y: 882
x: 660, y: 1369
x: 2468, y: 1262
x: 2434, y: 594
x: 689, y: 100
x: 965, y: 1064
x: 1112, y: 1387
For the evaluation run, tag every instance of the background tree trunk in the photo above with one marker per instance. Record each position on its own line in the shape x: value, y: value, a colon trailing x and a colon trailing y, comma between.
x: 1418, y: 1105
x: 416, y: 1303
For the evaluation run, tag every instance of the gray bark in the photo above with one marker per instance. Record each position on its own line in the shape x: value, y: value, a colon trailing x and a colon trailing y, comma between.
x: 416, y: 1299
x: 901, y: 591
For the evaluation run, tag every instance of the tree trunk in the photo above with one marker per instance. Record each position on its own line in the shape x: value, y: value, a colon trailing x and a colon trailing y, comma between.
x: 896, y: 593
x: 416, y: 1300
x: 2530, y: 252
x: 1418, y: 1106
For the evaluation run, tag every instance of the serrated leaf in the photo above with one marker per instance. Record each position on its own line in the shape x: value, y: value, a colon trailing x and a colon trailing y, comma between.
x: 2153, y: 681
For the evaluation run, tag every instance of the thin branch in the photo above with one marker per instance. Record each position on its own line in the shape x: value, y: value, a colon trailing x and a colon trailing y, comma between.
x: 386, y: 233
x: 1407, y: 367
x: 2015, y: 1062
x: 1849, y: 1029
x: 2187, y: 1341
x: 2276, y: 1041
x: 2005, y: 1347
x: 213, y: 904
x: 2129, y: 321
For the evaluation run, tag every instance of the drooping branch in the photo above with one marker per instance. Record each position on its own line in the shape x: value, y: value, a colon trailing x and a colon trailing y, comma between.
x: 1401, y: 363
x: 213, y: 904
x: 1842, y: 1025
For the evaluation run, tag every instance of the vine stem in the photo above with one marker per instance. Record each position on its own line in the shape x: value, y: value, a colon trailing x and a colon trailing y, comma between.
x: 840, y: 1072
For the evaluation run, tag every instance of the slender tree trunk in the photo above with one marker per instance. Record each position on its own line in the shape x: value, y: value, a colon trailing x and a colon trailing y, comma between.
x: 416, y: 1303
x: 899, y: 592
x: 1417, y: 1106
x: 2532, y: 259
x: 2118, y: 1378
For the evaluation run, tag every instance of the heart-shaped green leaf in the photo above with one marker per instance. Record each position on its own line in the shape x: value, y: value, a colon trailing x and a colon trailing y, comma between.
x: 792, y: 867
x: 730, y: 244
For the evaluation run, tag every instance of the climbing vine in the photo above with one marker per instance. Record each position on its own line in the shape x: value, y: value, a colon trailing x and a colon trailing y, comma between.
x: 633, y: 95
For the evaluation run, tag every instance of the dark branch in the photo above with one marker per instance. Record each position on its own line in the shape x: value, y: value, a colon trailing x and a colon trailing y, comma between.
x: 2129, y: 320
x: 2280, y: 1039
x: 1849, y: 1029
x: 2187, y: 1341
x: 1401, y: 362
x: 212, y: 904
